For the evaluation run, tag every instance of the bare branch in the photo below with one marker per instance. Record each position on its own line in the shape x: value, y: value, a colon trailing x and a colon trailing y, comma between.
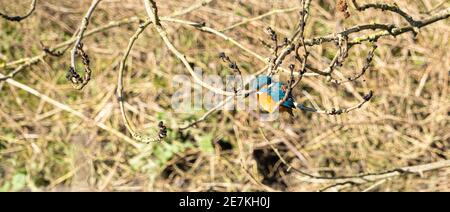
x: 338, y: 111
x: 292, y: 83
x: 162, y: 128
x: 444, y: 14
x: 152, y: 11
x: 294, y: 39
x: 393, y: 8
x: 72, y: 75
x: 20, y: 18
x: 366, y: 66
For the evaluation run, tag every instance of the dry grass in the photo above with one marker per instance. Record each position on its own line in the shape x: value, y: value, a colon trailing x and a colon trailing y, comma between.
x: 42, y: 147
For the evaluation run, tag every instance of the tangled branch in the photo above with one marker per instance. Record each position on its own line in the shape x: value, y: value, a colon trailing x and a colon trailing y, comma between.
x: 282, y: 49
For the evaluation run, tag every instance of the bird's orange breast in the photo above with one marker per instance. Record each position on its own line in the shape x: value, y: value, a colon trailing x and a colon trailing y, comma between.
x: 268, y: 104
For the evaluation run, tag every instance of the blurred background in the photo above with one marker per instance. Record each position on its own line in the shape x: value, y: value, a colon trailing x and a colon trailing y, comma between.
x: 45, y: 148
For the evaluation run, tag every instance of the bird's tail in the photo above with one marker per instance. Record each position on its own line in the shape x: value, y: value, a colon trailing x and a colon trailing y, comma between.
x: 303, y: 107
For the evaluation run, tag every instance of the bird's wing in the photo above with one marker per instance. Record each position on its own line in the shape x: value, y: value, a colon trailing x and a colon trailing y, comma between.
x: 277, y: 92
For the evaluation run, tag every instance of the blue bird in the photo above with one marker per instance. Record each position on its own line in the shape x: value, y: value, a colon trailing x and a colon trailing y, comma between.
x: 269, y: 93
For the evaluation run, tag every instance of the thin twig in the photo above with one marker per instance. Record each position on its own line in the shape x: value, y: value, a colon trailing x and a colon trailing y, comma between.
x: 202, y: 27
x: 444, y: 14
x: 293, y: 40
x: 73, y: 76
x: 393, y: 8
x: 152, y: 11
x: 370, y: 188
x: 162, y: 129
x: 20, y: 18
x: 293, y: 83
x: 366, y: 66
x: 338, y: 111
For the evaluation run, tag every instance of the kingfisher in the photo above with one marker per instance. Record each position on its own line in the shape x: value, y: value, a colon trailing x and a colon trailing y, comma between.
x: 269, y: 93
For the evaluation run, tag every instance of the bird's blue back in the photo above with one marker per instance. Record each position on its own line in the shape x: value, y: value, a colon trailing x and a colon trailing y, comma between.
x: 277, y: 91
x: 260, y: 82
